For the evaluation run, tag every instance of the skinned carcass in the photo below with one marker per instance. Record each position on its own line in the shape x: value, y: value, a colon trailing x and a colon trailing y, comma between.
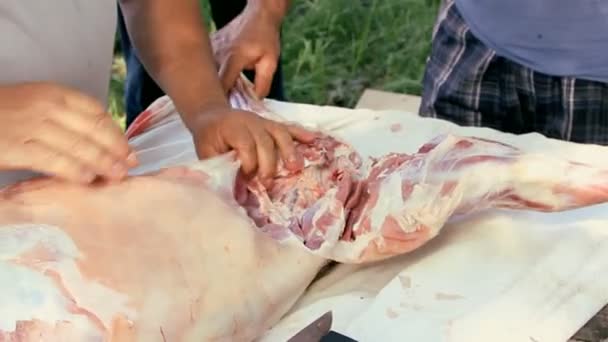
x: 175, y: 255
x: 399, y: 202
x: 352, y: 210
x: 160, y: 257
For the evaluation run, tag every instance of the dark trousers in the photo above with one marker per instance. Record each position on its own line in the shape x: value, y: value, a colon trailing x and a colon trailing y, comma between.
x: 141, y: 90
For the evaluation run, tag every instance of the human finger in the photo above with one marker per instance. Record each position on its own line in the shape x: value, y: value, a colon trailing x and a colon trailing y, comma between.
x: 84, y: 150
x: 100, y: 129
x: 302, y: 134
x: 37, y: 156
x: 245, y: 145
x: 266, y: 153
x: 205, y: 150
x: 89, y: 110
x: 286, y: 146
x: 230, y: 70
x: 264, y: 72
x: 81, y: 102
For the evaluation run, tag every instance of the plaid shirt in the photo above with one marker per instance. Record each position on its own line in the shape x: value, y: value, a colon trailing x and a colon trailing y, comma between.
x: 465, y: 82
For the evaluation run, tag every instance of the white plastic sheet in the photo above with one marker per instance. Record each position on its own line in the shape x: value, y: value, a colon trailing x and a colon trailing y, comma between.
x: 495, y: 276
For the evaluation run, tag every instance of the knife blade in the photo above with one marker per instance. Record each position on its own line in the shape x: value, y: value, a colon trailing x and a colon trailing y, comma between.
x: 315, y: 330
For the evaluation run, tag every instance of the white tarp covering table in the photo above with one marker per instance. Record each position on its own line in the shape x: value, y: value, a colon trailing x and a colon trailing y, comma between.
x: 495, y: 276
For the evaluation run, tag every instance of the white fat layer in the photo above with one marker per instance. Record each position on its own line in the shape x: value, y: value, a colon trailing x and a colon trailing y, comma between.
x: 528, y: 176
x: 27, y: 294
x: 222, y: 170
x: 328, y: 203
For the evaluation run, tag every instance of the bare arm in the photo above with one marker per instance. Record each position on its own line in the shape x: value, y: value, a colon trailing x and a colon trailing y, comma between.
x: 276, y: 8
x: 173, y: 44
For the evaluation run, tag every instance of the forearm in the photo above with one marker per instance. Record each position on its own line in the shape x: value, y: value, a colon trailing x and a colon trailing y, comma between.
x: 173, y: 44
x: 277, y: 9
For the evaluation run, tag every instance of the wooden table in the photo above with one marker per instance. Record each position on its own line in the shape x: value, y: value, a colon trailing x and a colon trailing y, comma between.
x: 596, y: 330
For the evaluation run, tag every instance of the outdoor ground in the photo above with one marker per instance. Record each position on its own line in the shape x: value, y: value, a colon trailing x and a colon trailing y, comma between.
x: 334, y: 49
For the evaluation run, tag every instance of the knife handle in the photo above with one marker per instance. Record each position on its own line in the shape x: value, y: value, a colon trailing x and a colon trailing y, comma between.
x: 333, y: 336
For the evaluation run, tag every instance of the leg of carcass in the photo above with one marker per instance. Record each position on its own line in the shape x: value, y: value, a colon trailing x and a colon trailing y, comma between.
x: 481, y: 173
x: 539, y: 183
x: 410, y: 198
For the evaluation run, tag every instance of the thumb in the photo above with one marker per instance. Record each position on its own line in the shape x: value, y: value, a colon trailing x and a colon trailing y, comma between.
x: 204, y: 150
x: 230, y: 71
x: 302, y: 134
x: 264, y: 71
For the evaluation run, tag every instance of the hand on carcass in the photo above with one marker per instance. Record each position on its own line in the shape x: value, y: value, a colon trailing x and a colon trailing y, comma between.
x: 352, y: 210
x: 349, y: 211
x: 259, y: 141
x: 47, y: 128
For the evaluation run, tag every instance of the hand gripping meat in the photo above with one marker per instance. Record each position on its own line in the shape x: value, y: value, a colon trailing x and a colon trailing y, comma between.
x: 409, y: 198
x: 352, y: 210
x: 401, y: 201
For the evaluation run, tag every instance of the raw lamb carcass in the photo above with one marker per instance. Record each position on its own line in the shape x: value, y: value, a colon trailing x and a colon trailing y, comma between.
x: 170, y: 256
x: 160, y: 257
x: 409, y: 198
x: 352, y: 210
x: 400, y: 201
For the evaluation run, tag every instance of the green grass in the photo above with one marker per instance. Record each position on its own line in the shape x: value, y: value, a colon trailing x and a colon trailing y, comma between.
x: 334, y: 49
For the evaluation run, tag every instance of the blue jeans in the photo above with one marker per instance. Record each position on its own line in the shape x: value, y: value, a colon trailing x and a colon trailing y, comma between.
x: 141, y: 90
